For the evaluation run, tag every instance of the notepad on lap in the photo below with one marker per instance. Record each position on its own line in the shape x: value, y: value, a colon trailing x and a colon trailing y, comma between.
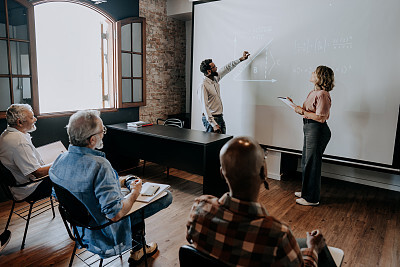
x: 145, y: 194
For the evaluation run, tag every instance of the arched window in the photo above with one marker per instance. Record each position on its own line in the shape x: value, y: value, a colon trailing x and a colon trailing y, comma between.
x: 75, y: 58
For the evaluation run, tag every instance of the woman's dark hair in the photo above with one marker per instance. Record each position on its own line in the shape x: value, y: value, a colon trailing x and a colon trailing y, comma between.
x: 325, y: 78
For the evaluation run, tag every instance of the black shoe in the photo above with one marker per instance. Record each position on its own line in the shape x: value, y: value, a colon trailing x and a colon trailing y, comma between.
x: 5, y: 238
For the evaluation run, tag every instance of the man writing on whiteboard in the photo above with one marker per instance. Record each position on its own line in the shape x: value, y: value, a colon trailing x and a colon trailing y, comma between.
x: 209, y: 93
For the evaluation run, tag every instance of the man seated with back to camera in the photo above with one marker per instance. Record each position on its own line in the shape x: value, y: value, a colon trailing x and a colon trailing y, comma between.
x: 89, y: 176
x: 236, y: 229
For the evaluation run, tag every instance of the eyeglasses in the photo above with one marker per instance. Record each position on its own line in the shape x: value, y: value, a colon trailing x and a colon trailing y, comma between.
x: 104, y: 132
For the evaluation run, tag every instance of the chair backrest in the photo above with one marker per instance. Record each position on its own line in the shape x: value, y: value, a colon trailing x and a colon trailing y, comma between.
x: 71, y: 208
x: 6, y: 179
x: 191, y: 257
x: 172, y: 122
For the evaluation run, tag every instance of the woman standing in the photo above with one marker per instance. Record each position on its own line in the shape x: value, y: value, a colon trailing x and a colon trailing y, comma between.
x: 315, y: 112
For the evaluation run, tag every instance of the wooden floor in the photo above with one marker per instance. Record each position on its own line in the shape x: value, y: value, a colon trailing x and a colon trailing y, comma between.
x: 363, y: 221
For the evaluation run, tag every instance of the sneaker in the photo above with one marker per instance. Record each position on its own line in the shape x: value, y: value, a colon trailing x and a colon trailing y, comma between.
x: 4, y: 239
x: 304, y: 202
x: 297, y: 194
x: 137, y: 256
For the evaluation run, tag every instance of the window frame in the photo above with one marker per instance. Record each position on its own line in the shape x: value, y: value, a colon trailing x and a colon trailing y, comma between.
x: 32, y: 55
x: 114, y: 68
x: 121, y: 23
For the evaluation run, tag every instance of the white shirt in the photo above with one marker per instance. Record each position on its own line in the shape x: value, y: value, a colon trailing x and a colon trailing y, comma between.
x: 19, y: 155
x: 209, y: 93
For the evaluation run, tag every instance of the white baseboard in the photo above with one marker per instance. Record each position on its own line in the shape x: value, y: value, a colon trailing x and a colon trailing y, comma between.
x: 274, y: 165
x: 361, y: 176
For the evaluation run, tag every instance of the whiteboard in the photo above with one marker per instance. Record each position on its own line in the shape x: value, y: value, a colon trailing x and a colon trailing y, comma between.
x: 287, y: 41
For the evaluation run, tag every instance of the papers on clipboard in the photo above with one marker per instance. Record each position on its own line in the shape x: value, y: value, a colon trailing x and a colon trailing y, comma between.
x: 50, y: 152
x: 287, y: 102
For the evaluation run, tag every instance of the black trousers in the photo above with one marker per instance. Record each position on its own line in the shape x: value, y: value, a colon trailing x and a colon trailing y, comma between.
x: 43, y: 190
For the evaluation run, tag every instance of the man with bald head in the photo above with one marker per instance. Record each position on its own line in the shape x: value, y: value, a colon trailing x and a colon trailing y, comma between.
x: 236, y: 229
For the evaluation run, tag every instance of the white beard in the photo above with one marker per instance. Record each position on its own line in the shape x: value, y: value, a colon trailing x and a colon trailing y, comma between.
x: 99, y: 144
x: 32, y: 129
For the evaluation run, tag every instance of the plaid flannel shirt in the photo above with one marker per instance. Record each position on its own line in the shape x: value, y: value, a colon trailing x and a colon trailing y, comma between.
x: 241, y: 233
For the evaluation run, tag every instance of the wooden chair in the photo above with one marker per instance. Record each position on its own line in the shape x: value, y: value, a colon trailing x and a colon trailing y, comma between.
x: 173, y: 122
x: 191, y: 257
x: 26, y: 212
x: 75, y: 214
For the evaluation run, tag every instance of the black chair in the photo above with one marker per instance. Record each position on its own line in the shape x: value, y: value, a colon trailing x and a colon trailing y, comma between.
x: 74, y: 213
x: 191, y: 257
x: 26, y: 212
x: 173, y: 122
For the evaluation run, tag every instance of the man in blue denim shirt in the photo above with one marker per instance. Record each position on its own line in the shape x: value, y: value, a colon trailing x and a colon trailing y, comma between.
x: 89, y: 176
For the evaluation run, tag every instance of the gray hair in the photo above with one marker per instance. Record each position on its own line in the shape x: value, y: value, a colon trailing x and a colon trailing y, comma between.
x: 16, y: 112
x: 82, y: 125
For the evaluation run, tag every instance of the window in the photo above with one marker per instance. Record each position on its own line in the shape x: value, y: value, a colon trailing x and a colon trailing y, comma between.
x: 74, y: 58
x: 15, y: 50
x: 132, y: 62
x: 61, y: 56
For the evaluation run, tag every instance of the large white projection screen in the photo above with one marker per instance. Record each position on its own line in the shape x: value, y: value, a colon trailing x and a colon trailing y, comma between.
x: 287, y: 40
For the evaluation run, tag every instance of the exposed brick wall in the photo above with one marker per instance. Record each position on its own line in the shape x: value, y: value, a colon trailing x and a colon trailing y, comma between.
x: 165, y: 62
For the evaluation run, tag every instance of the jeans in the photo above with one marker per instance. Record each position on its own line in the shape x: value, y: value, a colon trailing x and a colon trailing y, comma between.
x: 152, y: 208
x: 316, y: 138
x: 219, y: 120
x: 149, y: 210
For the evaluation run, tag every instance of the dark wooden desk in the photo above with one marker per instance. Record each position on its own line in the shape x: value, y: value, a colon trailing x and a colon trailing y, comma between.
x: 185, y: 149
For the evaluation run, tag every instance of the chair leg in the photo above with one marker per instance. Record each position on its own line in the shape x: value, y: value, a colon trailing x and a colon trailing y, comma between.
x: 144, y: 239
x: 52, y: 206
x: 9, y: 217
x: 144, y: 249
x: 27, y: 224
x: 73, y: 255
x: 101, y: 263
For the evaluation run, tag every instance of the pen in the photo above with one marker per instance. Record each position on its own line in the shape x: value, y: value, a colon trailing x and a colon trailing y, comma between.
x: 156, y: 191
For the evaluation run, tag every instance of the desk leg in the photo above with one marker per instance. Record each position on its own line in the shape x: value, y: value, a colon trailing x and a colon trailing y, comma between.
x: 213, y: 183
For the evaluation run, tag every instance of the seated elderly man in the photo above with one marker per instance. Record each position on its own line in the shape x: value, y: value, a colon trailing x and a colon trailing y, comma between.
x: 19, y: 155
x: 89, y: 176
x: 236, y: 229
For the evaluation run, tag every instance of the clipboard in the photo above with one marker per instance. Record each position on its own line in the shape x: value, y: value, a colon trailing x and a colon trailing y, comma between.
x: 287, y: 102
